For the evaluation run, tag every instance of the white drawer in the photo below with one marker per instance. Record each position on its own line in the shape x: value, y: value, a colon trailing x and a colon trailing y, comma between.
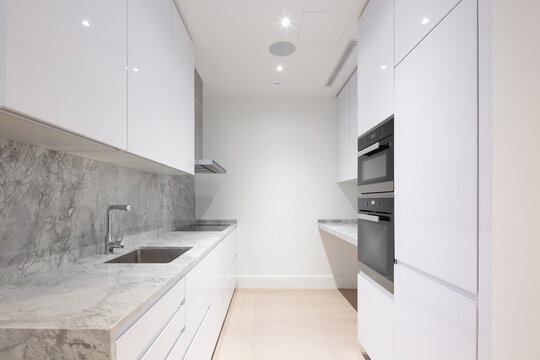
x: 139, y: 336
x: 180, y: 348
x: 168, y: 338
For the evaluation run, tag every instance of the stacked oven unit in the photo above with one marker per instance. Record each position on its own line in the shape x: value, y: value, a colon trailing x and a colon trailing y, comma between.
x: 376, y: 204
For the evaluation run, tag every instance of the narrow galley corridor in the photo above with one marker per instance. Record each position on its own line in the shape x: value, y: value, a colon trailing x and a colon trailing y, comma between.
x: 289, y: 324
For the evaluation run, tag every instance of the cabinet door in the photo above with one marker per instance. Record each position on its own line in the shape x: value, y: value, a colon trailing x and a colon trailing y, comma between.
x: 199, y: 294
x: 352, y: 172
x: 431, y: 321
x: 149, y: 79
x: 375, y: 60
x: 375, y: 320
x: 183, y: 94
x: 342, y: 140
x: 414, y: 19
x: 436, y: 156
x: 65, y: 65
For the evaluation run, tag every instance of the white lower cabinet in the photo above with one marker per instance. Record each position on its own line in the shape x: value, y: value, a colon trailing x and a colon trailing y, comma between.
x: 156, y: 331
x: 207, y: 304
x: 186, y: 321
x: 432, y: 321
x: 375, y: 320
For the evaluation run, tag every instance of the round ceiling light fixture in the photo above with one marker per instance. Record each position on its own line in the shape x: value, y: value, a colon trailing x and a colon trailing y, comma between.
x: 282, y: 48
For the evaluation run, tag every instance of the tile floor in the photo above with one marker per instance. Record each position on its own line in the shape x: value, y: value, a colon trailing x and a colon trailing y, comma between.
x: 289, y: 324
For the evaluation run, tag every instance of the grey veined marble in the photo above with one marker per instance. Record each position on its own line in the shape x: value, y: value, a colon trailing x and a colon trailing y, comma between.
x: 52, y: 207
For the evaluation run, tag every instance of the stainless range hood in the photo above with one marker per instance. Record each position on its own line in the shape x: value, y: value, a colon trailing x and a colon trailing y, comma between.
x: 208, y: 167
x: 202, y: 166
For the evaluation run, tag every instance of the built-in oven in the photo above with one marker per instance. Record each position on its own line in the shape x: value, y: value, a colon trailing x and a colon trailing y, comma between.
x: 376, y: 159
x: 376, y: 238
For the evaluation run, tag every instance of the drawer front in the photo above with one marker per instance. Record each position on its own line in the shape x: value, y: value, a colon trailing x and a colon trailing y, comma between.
x: 414, y: 19
x: 168, y: 338
x: 179, y: 348
x: 432, y: 321
x: 141, y: 335
x: 375, y: 320
x: 230, y: 285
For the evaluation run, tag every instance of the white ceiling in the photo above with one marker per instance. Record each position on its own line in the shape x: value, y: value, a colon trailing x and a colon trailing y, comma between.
x: 232, y: 37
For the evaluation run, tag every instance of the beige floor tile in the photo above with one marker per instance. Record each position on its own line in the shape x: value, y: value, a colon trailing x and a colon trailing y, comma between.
x: 288, y: 325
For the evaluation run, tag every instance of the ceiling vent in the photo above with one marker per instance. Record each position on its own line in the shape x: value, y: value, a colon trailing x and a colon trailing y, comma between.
x: 351, y: 45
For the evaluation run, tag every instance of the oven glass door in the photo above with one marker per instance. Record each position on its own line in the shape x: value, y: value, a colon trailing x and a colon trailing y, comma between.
x: 376, y: 242
x: 376, y: 163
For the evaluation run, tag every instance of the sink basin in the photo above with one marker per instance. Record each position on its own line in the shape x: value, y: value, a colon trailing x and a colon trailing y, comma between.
x: 203, y: 227
x: 150, y: 256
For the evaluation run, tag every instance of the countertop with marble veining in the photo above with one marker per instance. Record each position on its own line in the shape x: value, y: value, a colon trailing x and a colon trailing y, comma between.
x: 92, y: 295
x: 344, y: 229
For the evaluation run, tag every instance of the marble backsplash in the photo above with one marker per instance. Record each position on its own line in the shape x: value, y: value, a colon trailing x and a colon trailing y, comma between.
x: 52, y: 207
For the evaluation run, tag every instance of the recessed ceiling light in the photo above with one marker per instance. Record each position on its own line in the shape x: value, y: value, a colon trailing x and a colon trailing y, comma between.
x: 282, y: 48
x: 383, y: 67
x: 279, y: 68
x: 285, y: 22
x: 85, y: 23
x: 136, y: 69
x: 425, y: 21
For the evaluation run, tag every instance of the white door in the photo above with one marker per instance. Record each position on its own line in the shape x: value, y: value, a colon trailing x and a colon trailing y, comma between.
x: 65, y: 64
x: 414, y: 19
x: 149, y: 79
x: 342, y: 140
x: 375, y: 64
x: 183, y: 94
x: 436, y: 152
x: 431, y: 321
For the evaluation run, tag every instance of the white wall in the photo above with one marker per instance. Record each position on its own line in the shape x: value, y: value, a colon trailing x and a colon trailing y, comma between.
x: 280, y: 154
x: 516, y: 180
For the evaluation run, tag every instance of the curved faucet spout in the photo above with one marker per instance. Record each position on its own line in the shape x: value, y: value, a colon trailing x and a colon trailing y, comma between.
x: 109, y: 243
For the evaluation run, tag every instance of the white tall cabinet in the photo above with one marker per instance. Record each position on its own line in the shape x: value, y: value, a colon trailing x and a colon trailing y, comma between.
x: 63, y: 62
x: 375, y: 64
x: 436, y: 157
x: 436, y: 186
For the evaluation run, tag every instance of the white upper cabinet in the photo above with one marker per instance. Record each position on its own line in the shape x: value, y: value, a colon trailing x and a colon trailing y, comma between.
x: 375, y: 64
x: 347, y: 119
x: 436, y: 165
x: 343, y: 143
x: 183, y: 93
x: 149, y: 79
x: 414, y: 19
x: 353, y: 127
x: 63, y: 62
x: 431, y: 321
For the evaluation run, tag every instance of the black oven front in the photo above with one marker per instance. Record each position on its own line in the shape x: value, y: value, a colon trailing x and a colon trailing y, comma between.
x: 376, y: 238
x: 376, y: 159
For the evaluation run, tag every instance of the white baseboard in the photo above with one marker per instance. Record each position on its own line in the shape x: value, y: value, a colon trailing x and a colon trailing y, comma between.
x: 297, y: 282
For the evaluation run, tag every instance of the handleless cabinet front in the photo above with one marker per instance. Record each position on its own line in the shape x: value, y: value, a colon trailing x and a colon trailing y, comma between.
x: 64, y: 63
x: 375, y: 64
x: 432, y: 321
x: 436, y: 152
x: 149, y: 79
x: 414, y: 19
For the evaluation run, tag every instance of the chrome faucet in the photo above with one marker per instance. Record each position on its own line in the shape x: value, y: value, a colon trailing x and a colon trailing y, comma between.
x: 110, y: 245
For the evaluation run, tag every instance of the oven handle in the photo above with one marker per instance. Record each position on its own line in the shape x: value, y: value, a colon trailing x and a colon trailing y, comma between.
x: 372, y: 218
x: 372, y: 149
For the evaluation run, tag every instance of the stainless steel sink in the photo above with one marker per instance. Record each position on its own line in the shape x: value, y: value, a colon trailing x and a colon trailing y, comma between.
x: 150, y: 256
x: 204, y: 227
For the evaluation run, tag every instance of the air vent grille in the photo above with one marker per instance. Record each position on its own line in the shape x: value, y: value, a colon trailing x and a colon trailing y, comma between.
x: 351, y: 45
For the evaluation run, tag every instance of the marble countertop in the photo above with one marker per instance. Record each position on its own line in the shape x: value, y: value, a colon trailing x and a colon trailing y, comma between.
x: 344, y: 229
x: 92, y: 295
